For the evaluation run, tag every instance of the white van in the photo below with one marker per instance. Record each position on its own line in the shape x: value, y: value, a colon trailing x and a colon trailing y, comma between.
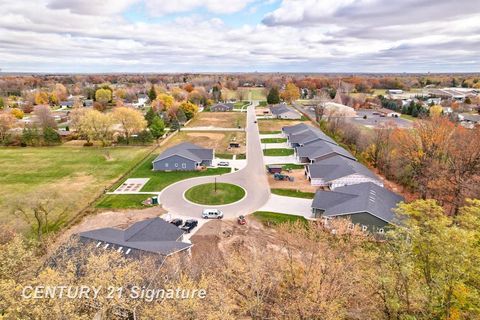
x: 212, y: 214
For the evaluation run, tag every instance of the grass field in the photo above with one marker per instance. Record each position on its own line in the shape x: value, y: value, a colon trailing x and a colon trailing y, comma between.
x: 272, y: 218
x: 244, y: 93
x: 270, y: 132
x: 276, y: 125
x: 219, y: 119
x: 408, y: 117
x: 215, y: 194
x: 273, y: 140
x: 77, y: 173
x: 122, y: 201
x: 293, y: 193
x: 278, y: 152
x: 240, y: 104
x: 292, y: 166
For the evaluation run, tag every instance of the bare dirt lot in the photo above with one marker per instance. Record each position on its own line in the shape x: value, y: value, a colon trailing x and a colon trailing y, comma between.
x: 219, y: 120
x: 277, y: 125
x: 216, y: 140
x: 301, y: 182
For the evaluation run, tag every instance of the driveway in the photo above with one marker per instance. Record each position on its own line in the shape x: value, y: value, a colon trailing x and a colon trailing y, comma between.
x: 252, y: 178
x: 288, y: 205
x: 280, y: 160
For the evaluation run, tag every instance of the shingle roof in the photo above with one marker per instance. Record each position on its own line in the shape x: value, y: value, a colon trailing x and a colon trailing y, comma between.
x: 295, y: 128
x: 280, y: 109
x: 309, y: 135
x: 153, y: 235
x: 187, y: 150
x: 320, y: 149
x: 338, y: 167
x: 228, y: 106
x: 358, y: 198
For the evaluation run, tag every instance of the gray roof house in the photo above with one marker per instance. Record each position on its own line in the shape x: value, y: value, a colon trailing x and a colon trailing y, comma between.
x: 366, y: 204
x: 185, y: 157
x: 282, y: 111
x: 66, y: 103
x: 302, y: 134
x: 295, y: 128
x: 338, y: 171
x: 222, y: 107
x: 320, y: 150
x: 155, y: 236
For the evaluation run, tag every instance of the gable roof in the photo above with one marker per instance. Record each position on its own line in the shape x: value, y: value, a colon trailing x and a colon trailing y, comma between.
x: 153, y: 235
x: 338, y: 167
x: 320, y: 149
x: 228, y: 106
x: 363, y: 197
x: 309, y: 135
x: 187, y: 150
x: 281, y: 109
x: 295, y: 128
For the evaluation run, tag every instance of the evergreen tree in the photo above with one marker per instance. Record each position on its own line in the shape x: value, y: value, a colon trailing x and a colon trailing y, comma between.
x: 216, y: 93
x: 273, y: 96
x: 152, y: 94
x: 149, y: 116
x: 51, y: 136
x: 2, y: 103
x: 157, y: 127
x: 30, y: 136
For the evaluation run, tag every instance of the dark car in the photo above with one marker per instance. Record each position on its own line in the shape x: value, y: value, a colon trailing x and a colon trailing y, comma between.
x: 177, y: 222
x: 189, y: 225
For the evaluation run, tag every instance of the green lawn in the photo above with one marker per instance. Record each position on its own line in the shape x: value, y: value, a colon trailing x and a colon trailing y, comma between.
x: 78, y: 173
x: 241, y: 156
x: 278, y: 152
x: 240, y: 104
x: 293, y: 193
x: 273, y: 140
x: 159, y: 179
x: 215, y: 194
x: 293, y: 166
x: 270, y: 132
x: 408, y: 117
x: 273, y: 218
x: 122, y: 201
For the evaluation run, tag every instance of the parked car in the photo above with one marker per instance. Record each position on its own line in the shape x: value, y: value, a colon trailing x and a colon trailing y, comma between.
x: 223, y: 164
x: 241, y: 220
x: 212, y: 214
x: 177, y: 222
x: 189, y: 225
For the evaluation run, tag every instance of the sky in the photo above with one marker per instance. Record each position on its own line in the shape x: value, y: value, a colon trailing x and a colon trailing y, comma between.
x: 156, y: 36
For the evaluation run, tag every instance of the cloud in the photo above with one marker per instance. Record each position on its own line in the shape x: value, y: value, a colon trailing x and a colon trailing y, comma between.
x: 163, y: 7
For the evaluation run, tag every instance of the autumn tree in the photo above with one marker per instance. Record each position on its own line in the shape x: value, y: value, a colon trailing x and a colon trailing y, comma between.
x: 41, y: 98
x: 189, y: 108
x: 7, y: 122
x: 291, y: 93
x: 93, y: 125
x: 130, y: 120
x: 103, y: 96
x: 17, y: 113
x: 60, y: 91
x: 163, y: 102
x: 44, y: 117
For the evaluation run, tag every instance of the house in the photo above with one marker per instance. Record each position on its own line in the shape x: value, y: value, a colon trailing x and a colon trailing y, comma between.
x: 384, y: 112
x: 141, y: 101
x: 366, y: 204
x: 338, y: 171
x: 66, y: 104
x: 302, y: 134
x: 222, y: 107
x: 394, y: 91
x: 88, y: 103
x: 320, y: 150
x: 469, y: 120
x: 332, y: 109
x: 282, y: 111
x: 154, y: 236
x: 185, y: 157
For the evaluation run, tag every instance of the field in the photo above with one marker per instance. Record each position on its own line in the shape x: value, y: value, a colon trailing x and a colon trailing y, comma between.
x: 122, y: 201
x: 273, y: 140
x: 293, y: 193
x: 244, y: 93
x: 219, y: 120
x: 218, y: 140
x: 277, y: 125
x: 75, y: 172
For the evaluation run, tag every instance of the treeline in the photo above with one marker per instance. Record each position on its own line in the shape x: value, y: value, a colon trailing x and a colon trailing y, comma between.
x: 427, y: 269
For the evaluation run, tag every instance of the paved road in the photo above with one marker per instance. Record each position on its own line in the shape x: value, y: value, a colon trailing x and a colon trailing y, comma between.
x: 252, y: 178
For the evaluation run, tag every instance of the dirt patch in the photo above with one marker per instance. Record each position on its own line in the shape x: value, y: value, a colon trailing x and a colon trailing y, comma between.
x: 300, y: 183
x: 219, y: 120
x: 277, y: 125
x: 216, y: 140
x: 262, y: 111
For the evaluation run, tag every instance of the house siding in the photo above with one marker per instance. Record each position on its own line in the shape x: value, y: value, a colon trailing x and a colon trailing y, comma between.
x: 372, y: 223
x: 175, y: 163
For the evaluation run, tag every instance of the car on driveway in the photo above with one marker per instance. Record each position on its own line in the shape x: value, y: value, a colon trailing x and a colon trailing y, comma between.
x: 212, y: 214
x: 189, y: 225
x: 223, y: 164
x: 177, y: 222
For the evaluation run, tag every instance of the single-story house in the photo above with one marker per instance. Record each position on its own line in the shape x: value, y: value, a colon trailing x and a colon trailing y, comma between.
x: 88, y: 103
x: 154, y: 236
x: 338, y: 171
x: 320, y: 150
x: 142, y: 100
x: 282, y: 111
x: 394, y: 91
x: 66, y: 104
x: 302, y: 134
x: 184, y: 156
x: 384, y: 112
x: 222, y: 107
x: 469, y: 120
x: 366, y: 204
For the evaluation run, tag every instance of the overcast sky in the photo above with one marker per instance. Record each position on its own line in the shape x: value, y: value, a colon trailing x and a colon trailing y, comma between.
x: 240, y: 35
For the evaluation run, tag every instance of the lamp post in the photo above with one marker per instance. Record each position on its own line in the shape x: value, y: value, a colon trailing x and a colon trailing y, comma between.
x: 215, y: 184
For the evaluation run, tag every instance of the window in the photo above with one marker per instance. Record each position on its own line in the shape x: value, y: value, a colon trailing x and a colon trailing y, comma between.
x: 184, y: 165
x: 166, y: 164
x: 99, y: 243
x: 128, y: 251
x: 176, y: 165
x: 120, y: 249
x: 364, y: 228
x: 106, y: 246
x: 381, y: 231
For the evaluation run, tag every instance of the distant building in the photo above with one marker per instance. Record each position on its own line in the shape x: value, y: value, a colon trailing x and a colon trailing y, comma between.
x: 222, y: 107
x: 66, y: 103
x: 141, y: 101
x: 183, y: 157
x: 394, y: 91
x: 384, y: 112
x: 282, y: 111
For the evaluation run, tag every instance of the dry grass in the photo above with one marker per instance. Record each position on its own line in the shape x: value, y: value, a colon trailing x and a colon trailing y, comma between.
x: 276, y: 125
x: 301, y: 182
x: 216, y: 140
x: 219, y: 120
